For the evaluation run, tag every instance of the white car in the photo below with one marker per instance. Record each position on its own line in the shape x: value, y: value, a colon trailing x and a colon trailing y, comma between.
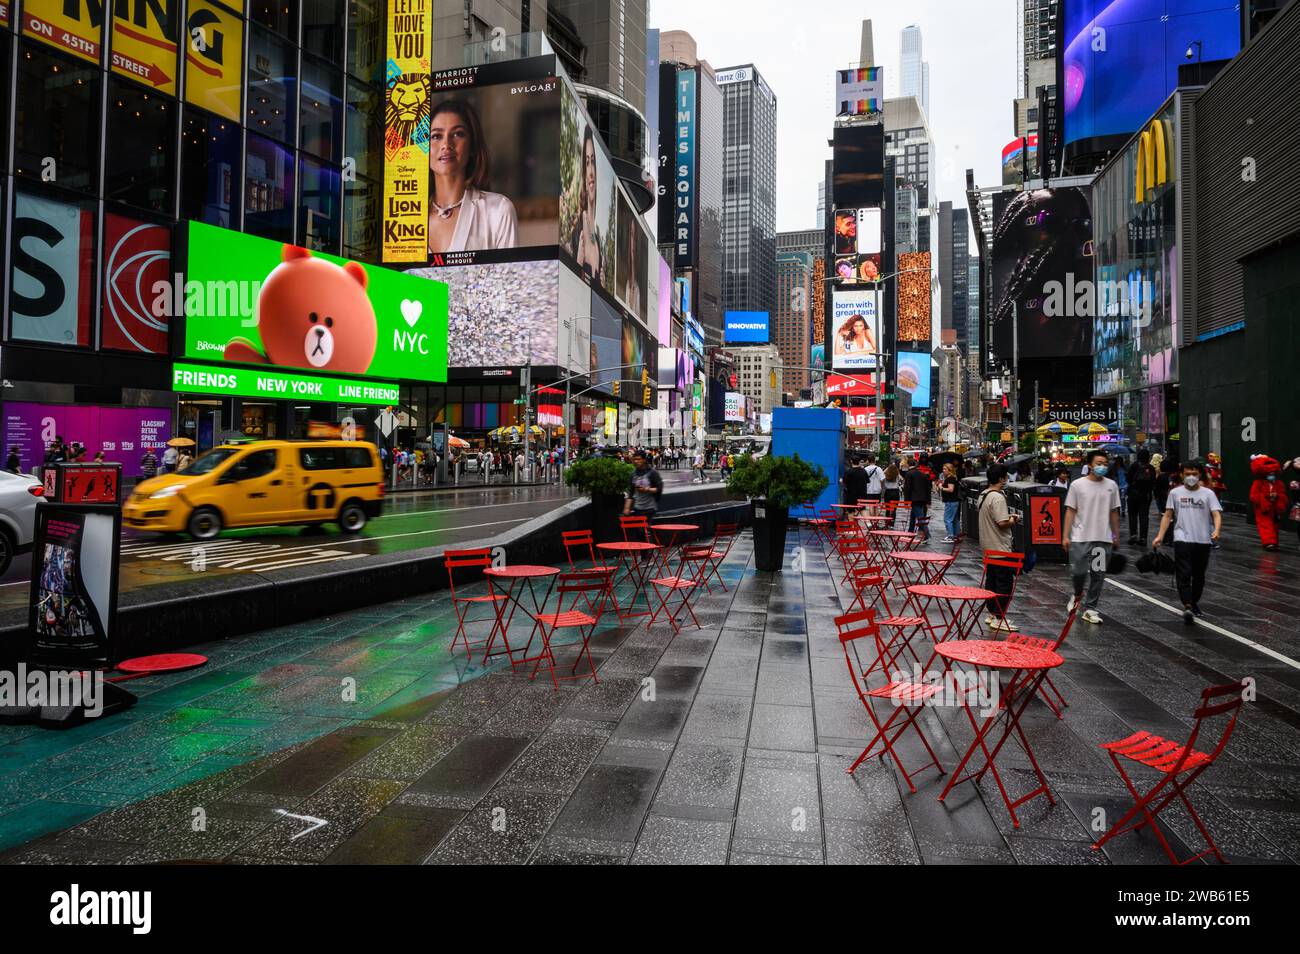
x: 20, y: 495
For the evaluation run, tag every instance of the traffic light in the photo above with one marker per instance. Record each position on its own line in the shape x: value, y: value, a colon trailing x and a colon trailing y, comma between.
x: 645, y: 376
x: 1043, y: 406
x: 616, y: 384
x: 771, y: 379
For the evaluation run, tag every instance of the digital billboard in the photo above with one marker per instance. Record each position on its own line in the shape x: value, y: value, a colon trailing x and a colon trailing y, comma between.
x: 407, y: 118
x: 1122, y: 56
x: 859, y: 92
x: 857, y: 269
x: 870, y: 238
x: 682, y: 235
x: 1039, y: 237
x: 734, y: 407
x: 251, y: 301
x: 53, y: 270
x: 122, y: 433
x: 854, y: 330
x: 913, y: 377
x: 858, y: 174
x: 914, y: 301
x: 746, y: 327
x: 1019, y: 160
x: 137, y: 255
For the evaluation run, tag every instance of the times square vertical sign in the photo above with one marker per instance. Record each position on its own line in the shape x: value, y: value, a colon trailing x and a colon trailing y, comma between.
x: 406, y: 131
x: 684, y: 173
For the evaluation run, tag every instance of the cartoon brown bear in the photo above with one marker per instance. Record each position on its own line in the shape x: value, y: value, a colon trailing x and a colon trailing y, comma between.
x: 312, y: 314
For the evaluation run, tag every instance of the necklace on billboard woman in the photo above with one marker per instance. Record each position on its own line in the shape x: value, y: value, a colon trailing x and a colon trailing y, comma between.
x: 445, y: 212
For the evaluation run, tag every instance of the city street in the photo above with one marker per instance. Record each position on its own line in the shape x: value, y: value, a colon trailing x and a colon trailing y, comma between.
x: 727, y: 744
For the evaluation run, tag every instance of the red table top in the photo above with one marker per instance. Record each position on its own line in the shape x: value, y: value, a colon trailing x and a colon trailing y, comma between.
x: 947, y: 591
x: 675, y: 527
x: 890, y: 533
x: 996, y: 654
x: 850, y: 506
x: 922, y: 556
x: 521, y: 571
x: 631, y: 546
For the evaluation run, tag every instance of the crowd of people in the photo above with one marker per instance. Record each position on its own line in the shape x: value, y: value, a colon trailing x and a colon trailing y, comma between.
x: 1186, y: 497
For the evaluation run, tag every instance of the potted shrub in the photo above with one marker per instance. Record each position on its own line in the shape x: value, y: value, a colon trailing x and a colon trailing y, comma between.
x: 605, y: 480
x: 774, y: 485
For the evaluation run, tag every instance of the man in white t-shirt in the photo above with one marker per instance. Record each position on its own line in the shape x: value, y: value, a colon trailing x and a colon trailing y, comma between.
x: 875, y: 479
x: 1091, y: 532
x: 1197, y: 515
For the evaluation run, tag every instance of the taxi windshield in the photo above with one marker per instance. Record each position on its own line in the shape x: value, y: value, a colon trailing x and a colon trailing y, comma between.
x: 208, y: 462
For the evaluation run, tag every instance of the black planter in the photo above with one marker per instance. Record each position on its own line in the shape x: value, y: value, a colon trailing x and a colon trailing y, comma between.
x: 769, y: 534
x: 605, y: 511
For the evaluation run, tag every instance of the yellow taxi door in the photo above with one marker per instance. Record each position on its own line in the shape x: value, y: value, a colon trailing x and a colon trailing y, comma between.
x: 256, y: 488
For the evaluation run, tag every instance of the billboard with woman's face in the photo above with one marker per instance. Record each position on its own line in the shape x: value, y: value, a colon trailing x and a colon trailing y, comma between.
x: 588, y: 198
x: 855, y: 330
x: 493, y: 156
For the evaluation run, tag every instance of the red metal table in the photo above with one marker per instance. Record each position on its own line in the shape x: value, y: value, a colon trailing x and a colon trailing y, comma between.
x: 514, y: 576
x: 1028, y: 667
x: 672, y: 531
x: 894, y: 539
x: 964, y: 601
x: 919, y: 567
x: 628, y: 563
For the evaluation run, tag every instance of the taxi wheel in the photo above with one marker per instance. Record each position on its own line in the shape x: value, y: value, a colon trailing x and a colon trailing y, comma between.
x: 204, y: 524
x: 352, y: 517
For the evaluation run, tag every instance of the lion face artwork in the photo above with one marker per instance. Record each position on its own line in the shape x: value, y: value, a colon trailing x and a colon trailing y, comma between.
x: 406, y: 113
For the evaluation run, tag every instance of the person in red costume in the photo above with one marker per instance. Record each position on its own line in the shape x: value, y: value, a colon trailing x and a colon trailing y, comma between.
x: 1214, y: 474
x: 1268, y: 496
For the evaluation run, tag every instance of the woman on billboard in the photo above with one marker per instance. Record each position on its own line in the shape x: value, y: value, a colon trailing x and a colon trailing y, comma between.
x: 464, y: 216
x: 584, y: 243
x: 854, y: 337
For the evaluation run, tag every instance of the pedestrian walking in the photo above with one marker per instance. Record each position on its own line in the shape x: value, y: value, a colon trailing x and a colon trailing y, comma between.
x: 1091, y: 532
x: 169, y: 458
x: 854, y: 482
x: 149, y: 464
x: 1141, y: 484
x: 995, y: 522
x: 698, y: 467
x: 1062, y: 478
x: 13, y: 463
x: 1197, y: 515
x: 917, y: 491
x: 891, y: 488
x: 644, y: 489
x: 951, y: 505
x: 1291, y: 477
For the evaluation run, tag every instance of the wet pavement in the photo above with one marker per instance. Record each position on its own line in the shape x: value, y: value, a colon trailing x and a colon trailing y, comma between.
x: 727, y: 744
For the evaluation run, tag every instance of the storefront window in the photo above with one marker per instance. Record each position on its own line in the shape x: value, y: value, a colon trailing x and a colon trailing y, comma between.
x: 269, y: 190
x: 322, y: 28
x: 57, y: 104
x: 209, y: 169
x: 366, y: 40
x: 52, y: 287
x: 138, y: 165
x: 318, y: 212
x: 271, y: 86
x: 321, y: 109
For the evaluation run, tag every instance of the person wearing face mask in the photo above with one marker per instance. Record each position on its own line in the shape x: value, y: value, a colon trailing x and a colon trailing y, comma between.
x: 1091, y: 531
x: 1197, y: 515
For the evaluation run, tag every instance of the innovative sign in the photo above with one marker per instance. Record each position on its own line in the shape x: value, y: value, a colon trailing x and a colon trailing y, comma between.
x: 406, y: 131
x: 245, y: 382
x: 746, y: 327
x: 854, y: 330
x: 859, y: 92
x: 252, y: 301
x: 683, y: 235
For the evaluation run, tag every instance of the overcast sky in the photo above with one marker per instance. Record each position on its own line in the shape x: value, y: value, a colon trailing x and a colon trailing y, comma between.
x: 798, y: 44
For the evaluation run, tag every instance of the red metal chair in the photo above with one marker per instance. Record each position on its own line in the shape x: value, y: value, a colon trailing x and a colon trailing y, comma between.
x: 820, y: 526
x: 724, y: 536
x: 854, y: 552
x: 593, y: 590
x: 1054, y: 645
x: 906, y: 698
x: 581, y: 540
x: 1008, y: 560
x: 691, y: 566
x: 642, y: 524
x: 478, y: 559
x: 1180, y: 765
x: 872, y: 579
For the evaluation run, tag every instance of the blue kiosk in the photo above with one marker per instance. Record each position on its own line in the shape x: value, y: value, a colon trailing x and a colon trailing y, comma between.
x: 817, y: 435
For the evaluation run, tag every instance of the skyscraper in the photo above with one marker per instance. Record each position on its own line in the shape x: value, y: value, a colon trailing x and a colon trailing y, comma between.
x: 914, y: 73
x: 954, y: 271
x: 908, y: 141
x: 749, y: 190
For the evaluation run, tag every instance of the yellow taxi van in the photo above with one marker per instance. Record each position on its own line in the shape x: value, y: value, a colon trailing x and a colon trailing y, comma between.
x: 263, y: 483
